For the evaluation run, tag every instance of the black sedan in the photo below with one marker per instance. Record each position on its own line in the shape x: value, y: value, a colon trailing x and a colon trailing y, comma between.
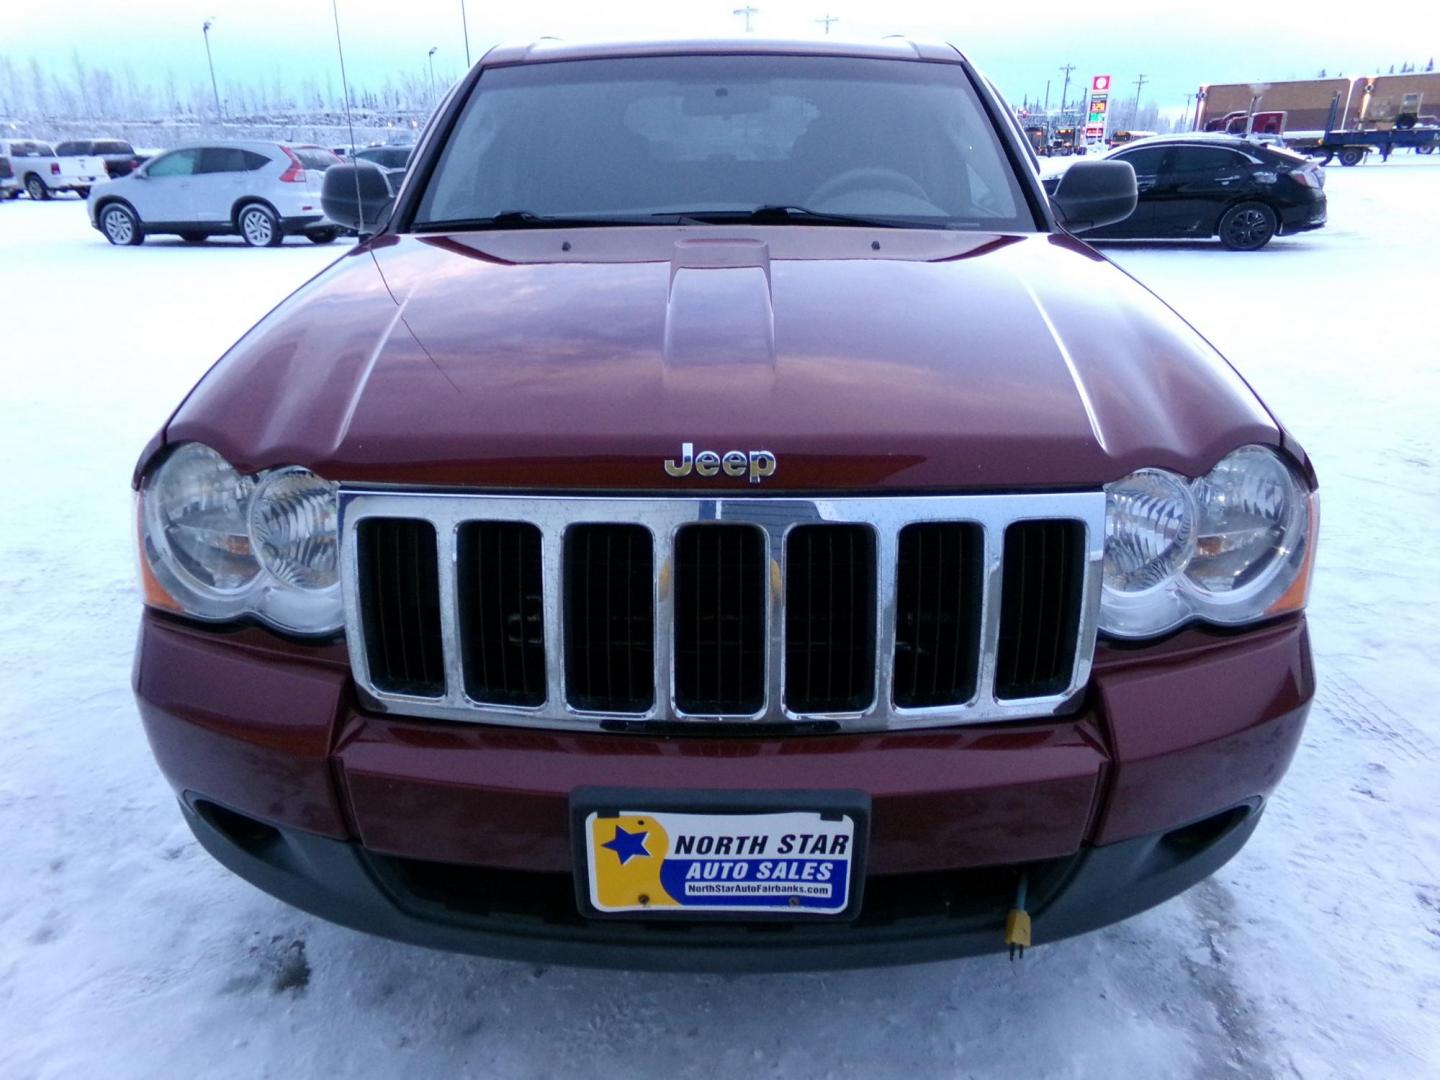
x: 1202, y: 186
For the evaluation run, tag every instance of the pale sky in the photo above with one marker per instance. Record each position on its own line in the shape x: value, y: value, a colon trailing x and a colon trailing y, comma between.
x: 1020, y: 45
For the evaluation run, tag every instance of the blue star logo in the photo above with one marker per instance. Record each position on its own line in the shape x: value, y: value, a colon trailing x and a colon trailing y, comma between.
x: 628, y: 845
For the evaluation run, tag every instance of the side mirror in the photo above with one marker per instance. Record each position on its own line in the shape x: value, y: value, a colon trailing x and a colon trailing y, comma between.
x: 357, y: 196
x: 1092, y: 194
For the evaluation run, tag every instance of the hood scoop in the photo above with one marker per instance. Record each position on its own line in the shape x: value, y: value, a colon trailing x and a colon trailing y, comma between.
x: 719, y: 309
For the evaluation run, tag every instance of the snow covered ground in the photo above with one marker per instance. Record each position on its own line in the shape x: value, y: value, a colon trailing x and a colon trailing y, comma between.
x: 125, y: 951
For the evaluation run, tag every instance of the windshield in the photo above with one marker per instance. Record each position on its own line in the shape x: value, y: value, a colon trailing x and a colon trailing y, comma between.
x: 893, y: 142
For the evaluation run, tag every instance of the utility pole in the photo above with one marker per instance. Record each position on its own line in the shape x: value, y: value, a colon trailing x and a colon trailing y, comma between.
x: 219, y: 109
x: 826, y: 21
x: 431, y: 55
x: 747, y: 12
x: 465, y: 25
x: 1046, y: 110
x: 1064, y: 90
x: 1139, y: 85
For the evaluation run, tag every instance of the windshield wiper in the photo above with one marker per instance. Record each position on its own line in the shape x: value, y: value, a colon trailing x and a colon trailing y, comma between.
x: 791, y: 215
x: 759, y: 215
x: 525, y: 219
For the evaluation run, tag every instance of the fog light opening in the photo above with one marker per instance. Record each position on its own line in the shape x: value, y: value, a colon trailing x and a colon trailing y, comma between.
x: 1205, y: 832
x: 244, y: 831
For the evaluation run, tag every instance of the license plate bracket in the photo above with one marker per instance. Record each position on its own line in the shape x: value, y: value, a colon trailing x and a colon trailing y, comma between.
x: 719, y: 855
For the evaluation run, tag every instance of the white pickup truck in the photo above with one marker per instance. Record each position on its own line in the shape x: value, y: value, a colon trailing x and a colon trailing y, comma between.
x: 40, y: 173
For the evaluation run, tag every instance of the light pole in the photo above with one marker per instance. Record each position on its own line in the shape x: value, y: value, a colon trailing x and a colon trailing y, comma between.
x: 431, y: 55
x: 205, y: 29
x: 747, y: 12
x: 465, y: 25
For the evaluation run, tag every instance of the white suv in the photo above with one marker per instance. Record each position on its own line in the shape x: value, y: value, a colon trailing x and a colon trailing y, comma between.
x: 263, y: 191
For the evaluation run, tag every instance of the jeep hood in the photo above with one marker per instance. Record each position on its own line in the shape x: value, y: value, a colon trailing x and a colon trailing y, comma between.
x: 583, y: 359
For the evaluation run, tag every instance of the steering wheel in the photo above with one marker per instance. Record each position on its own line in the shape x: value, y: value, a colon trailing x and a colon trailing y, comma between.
x: 870, y: 177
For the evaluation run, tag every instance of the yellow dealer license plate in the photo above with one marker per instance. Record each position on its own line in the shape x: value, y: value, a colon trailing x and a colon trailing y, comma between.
x: 639, y: 859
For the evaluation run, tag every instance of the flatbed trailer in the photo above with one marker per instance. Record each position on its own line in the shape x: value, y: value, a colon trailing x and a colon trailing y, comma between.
x: 1351, y: 147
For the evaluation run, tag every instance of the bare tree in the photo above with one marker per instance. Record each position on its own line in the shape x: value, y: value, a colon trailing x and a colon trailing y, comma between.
x: 10, y: 90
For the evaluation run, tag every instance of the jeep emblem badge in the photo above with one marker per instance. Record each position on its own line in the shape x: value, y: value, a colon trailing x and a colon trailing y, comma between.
x: 757, y: 464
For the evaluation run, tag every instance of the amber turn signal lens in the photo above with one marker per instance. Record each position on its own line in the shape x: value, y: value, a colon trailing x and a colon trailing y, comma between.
x: 1298, y: 594
x: 153, y: 592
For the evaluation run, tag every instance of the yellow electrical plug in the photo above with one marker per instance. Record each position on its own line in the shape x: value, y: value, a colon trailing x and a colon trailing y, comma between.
x: 1017, y: 923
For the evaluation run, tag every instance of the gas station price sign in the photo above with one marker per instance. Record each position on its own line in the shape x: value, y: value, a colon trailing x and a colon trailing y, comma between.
x: 1098, y: 113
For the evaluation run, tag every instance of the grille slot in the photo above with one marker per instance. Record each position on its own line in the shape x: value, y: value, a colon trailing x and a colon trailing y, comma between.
x: 400, y: 606
x: 609, y: 618
x: 830, y: 618
x: 501, y: 598
x: 937, y: 614
x: 1039, y: 607
x: 720, y: 583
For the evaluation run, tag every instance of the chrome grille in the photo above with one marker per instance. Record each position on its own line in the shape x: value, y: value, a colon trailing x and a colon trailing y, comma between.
x: 595, y: 615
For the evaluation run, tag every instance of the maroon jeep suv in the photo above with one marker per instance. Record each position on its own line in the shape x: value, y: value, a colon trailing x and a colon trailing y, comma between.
x: 720, y: 517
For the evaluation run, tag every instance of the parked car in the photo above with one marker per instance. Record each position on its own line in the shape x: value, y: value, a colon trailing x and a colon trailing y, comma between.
x: 37, y: 171
x: 692, y: 541
x: 1120, y: 138
x: 1203, y: 186
x: 387, y: 157
x: 262, y: 191
x: 393, y: 159
x: 10, y: 185
x: 118, y: 155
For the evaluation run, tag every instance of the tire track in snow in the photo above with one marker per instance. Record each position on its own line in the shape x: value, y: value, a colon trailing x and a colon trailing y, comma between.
x: 1362, y: 713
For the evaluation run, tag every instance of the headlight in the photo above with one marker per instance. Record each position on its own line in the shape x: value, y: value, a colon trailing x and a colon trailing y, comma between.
x: 1149, y: 530
x: 219, y: 545
x: 294, y: 527
x: 1231, y: 547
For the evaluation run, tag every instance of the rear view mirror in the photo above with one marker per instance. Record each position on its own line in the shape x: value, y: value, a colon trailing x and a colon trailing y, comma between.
x: 1092, y: 194
x: 357, y: 196
x: 724, y: 101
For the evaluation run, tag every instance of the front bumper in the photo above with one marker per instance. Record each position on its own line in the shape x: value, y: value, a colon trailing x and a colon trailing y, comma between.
x: 532, y: 917
x: 458, y: 835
